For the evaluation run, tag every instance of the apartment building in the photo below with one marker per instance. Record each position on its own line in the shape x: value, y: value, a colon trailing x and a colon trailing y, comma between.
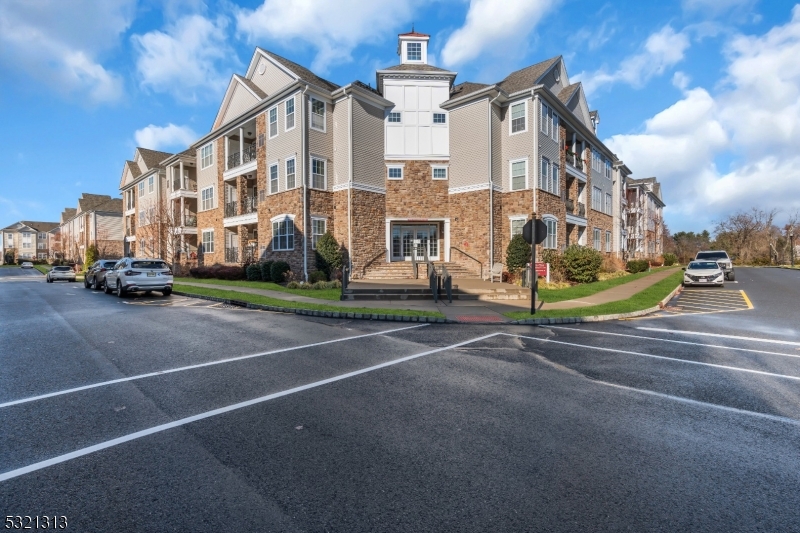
x: 25, y: 240
x: 644, y: 218
x: 415, y: 167
x: 97, y: 220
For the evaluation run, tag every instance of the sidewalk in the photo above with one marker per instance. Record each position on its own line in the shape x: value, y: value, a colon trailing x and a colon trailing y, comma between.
x: 461, y: 310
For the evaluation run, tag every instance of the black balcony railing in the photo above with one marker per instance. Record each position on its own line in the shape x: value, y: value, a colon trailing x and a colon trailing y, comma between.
x: 230, y: 209
x: 250, y: 204
x: 574, y: 160
x: 190, y: 221
x: 570, y: 204
x: 240, y: 158
x: 231, y: 255
x: 187, y: 185
x: 581, y: 210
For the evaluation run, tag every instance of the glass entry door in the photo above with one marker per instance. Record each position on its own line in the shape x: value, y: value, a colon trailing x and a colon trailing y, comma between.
x: 415, y: 240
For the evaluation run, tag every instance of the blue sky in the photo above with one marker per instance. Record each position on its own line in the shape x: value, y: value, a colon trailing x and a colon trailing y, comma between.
x: 704, y: 94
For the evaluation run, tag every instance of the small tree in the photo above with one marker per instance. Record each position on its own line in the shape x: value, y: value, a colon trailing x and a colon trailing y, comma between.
x: 518, y: 254
x: 90, y: 256
x: 582, y: 264
x: 329, y: 255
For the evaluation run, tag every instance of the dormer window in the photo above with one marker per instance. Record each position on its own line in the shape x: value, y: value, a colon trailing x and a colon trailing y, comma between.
x: 414, y: 51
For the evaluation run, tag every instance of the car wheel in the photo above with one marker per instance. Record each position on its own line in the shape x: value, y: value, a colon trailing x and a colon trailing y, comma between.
x: 166, y: 292
x: 148, y: 293
x: 95, y: 284
x: 86, y: 284
x: 120, y: 290
x: 732, y: 277
x: 106, y: 289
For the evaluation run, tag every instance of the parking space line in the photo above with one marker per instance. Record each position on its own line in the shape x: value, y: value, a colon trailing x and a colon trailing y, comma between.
x: 720, y: 335
x: 200, y: 365
x: 593, y: 331
x: 747, y: 300
x: 709, y: 307
x: 5, y: 476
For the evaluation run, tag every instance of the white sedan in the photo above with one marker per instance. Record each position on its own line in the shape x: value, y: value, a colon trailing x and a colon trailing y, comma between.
x: 703, y: 273
x: 26, y: 264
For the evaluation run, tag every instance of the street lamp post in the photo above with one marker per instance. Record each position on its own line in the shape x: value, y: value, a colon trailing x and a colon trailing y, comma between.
x: 791, y: 244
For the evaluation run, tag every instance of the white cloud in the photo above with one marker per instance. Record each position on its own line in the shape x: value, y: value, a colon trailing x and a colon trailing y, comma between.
x: 714, y: 7
x: 753, y: 124
x: 58, y: 42
x: 681, y: 80
x: 186, y: 58
x: 662, y: 50
x: 161, y: 137
x: 494, y: 26
x: 334, y: 33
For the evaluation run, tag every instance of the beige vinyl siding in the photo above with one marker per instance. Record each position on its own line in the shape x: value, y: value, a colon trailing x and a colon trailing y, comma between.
x: 109, y: 227
x: 368, y: 131
x: 519, y: 145
x: 142, y: 167
x: 284, y: 146
x: 548, y: 148
x: 207, y: 177
x: 497, y: 146
x: 273, y: 78
x: 341, y: 143
x: 469, y: 144
x: 321, y: 144
x: 579, y: 108
x: 550, y: 82
x: 241, y: 100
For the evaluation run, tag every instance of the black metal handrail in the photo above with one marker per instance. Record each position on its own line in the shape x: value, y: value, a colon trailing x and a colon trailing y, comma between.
x: 240, y: 158
x: 581, y: 209
x: 465, y: 253
x: 250, y: 204
x: 574, y: 160
x: 230, y: 209
x: 231, y: 255
x: 369, y: 263
x: 190, y: 221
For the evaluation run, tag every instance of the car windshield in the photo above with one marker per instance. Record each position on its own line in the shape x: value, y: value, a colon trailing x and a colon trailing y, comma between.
x: 62, y: 269
x: 712, y: 255
x: 109, y: 264
x: 148, y: 264
x: 703, y: 265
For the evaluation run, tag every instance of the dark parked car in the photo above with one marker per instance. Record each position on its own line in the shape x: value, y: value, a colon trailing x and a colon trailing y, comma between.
x: 95, y: 277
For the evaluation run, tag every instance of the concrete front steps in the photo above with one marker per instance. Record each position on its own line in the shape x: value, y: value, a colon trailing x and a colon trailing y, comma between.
x: 404, y: 270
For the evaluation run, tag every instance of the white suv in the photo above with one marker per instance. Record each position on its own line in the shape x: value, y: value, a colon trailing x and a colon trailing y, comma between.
x: 139, y: 275
x: 722, y: 259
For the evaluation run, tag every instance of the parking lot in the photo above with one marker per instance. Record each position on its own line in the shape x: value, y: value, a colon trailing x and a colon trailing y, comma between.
x: 161, y: 414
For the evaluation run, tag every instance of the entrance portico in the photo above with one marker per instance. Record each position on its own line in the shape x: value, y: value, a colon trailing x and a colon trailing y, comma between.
x: 415, y: 237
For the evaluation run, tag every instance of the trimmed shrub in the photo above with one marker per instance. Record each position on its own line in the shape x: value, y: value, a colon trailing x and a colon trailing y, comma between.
x: 557, y: 272
x: 266, y: 266
x: 612, y: 264
x: 518, y: 254
x: 670, y: 259
x: 292, y: 285
x: 278, y: 270
x: 637, y: 265
x: 317, y: 276
x: 328, y: 254
x: 218, y: 272
x: 253, y: 272
x: 582, y: 264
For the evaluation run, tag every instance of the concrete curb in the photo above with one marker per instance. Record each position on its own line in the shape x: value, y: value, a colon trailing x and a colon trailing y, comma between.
x: 326, y: 314
x: 599, y: 318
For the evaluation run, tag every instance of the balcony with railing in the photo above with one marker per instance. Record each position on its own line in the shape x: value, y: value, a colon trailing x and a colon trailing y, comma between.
x: 185, y: 184
x: 575, y: 208
x: 250, y: 204
x: 190, y: 221
x: 242, y: 157
x: 231, y: 255
x: 231, y: 209
x: 575, y: 161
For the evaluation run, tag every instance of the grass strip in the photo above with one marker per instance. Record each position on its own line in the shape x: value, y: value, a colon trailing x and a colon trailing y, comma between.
x: 266, y: 300
x: 42, y: 268
x: 322, y: 294
x: 645, y: 299
x: 588, y: 289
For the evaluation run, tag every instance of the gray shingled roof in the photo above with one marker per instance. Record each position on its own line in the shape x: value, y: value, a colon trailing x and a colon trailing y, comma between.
x: 68, y: 213
x: 566, y: 94
x: 527, y: 77
x: 366, y: 87
x: 152, y: 158
x: 134, y: 168
x: 647, y: 181
x: 420, y: 67
x: 40, y: 226
x: 252, y: 86
x: 592, y: 114
x: 87, y: 202
x: 302, y: 72
x: 466, y: 88
x: 114, y: 205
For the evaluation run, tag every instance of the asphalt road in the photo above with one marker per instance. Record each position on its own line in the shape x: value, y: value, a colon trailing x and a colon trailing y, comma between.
x: 677, y: 422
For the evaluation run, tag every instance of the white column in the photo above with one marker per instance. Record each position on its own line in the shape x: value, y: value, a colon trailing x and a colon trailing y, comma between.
x: 180, y: 171
x: 447, y: 240
x: 241, y: 145
x: 388, y: 241
x: 226, y: 153
x: 182, y: 221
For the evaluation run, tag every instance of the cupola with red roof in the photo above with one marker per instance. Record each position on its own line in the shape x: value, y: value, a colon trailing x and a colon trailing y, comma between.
x: 412, y: 47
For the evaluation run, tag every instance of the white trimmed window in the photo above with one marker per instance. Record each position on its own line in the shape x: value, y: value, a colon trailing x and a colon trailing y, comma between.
x: 42, y: 256
x: 141, y: 189
x: 608, y: 241
x: 551, y: 241
x: 273, y: 178
x: 608, y: 205
x: 318, y: 175
x: 608, y: 169
x: 289, y: 114
x: 207, y: 155
x: 517, y: 223
x: 439, y: 173
x: 283, y: 234
x: 41, y: 246
x: 414, y: 51
x: 546, y: 118
x: 141, y: 218
x: 555, y: 132
x: 439, y: 118
x: 549, y: 176
x: 597, y: 199
x: 42, y: 236
x: 395, y: 117
x: 290, y: 174
x: 317, y: 115
x: 555, y: 175
x: 207, y: 198
x: 318, y: 227
x: 150, y: 184
x: 597, y: 239
x: 273, y: 122
x: 518, y: 115
x: 208, y: 241
x: 395, y: 172
x: 519, y: 175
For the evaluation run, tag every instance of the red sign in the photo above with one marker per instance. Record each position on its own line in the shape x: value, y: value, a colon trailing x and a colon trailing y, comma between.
x: 541, y: 269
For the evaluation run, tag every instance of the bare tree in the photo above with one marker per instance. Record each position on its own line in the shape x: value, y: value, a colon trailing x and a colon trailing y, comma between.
x: 749, y: 235
x: 159, y: 231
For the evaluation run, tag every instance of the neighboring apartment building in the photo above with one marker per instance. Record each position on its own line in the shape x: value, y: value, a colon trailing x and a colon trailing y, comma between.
x: 644, y: 218
x: 416, y: 167
x: 25, y: 240
x: 97, y: 220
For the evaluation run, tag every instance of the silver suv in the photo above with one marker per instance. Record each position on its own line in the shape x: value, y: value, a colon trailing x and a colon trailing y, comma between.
x: 722, y: 259
x: 139, y: 275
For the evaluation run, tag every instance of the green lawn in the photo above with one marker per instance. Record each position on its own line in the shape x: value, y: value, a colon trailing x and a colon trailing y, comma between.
x: 645, y: 299
x: 587, y: 289
x: 323, y: 294
x: 266, y: 300
x: 44, y: 269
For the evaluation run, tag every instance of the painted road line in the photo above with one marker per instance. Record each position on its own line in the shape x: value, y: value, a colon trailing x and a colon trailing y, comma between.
x: 680, y: 314
x: 702, y: 307
x: 592, y: 331
x: 200, y: 365
x: 661, y: 357
x: 719, y: 335
x: 746, y: 299
x: 222, y: 410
